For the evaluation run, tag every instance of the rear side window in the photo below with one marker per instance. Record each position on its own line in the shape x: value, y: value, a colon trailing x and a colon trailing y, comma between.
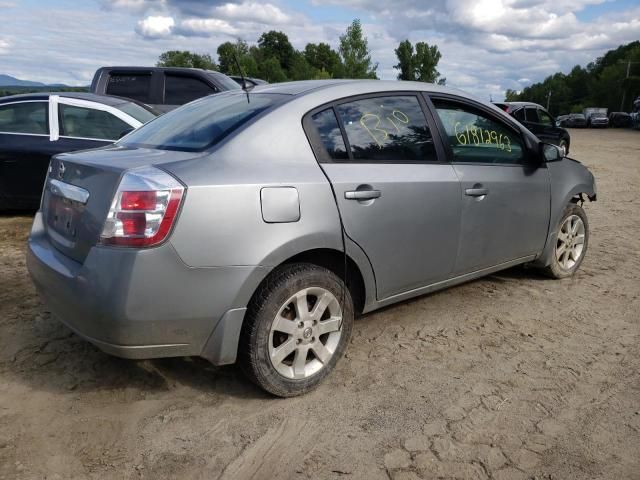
x: 477, y: 138
x: 532, y: 115
x: 327, y: 125
x: 181, y: 89
x: 136, y: 86
x: 382, y: 129
x: 519, y: 115
x: 81, y: 122
x: 201, y: 124
x: 25, y: 117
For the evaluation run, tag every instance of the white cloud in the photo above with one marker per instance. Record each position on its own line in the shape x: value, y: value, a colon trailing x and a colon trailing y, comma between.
x: 253, y: 12
x: 4, y: 46
x: 155, y: 26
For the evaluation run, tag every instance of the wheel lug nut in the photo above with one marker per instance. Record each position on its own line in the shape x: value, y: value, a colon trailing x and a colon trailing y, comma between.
x: 313, y: 339
x: 300, y: 324
x: 299, y: 341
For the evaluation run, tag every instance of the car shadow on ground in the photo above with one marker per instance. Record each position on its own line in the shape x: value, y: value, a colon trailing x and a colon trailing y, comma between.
x: 51, y: 357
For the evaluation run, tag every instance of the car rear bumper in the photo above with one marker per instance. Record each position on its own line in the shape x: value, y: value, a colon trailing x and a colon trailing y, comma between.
x: 143, y: 303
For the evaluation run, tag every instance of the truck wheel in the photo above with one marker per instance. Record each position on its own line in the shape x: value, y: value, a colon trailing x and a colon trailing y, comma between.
x: 297, y: 327
x: 571, y: 243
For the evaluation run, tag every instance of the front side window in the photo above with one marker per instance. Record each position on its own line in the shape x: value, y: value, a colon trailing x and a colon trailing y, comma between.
x: 25, y: 117
x: 330, y: 134
x: 82, y: 122
x: 201, y: 124
x: 382, y: 129
x: 181, y: 89
x: 134, y: 85
x: 545, y: 118
x: 476, y: 138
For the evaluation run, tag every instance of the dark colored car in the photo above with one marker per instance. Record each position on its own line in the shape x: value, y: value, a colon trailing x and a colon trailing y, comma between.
x: 34, y: 127
x: 539, y: 122
x: 250, y: 81
x: 164, y: 88
x: 620, y: 119
x: 573, y: 120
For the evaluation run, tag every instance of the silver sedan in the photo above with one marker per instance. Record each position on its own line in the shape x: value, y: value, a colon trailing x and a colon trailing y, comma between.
x: 253, y: 226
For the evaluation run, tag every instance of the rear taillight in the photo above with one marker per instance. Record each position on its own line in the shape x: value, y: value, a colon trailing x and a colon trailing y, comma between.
x: 143, y: 210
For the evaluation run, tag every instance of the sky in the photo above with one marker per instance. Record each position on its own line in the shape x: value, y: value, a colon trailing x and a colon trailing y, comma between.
x: 487, y: 46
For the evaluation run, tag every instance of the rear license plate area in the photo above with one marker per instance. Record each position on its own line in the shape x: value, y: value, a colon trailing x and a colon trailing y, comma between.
x: 63, y: 215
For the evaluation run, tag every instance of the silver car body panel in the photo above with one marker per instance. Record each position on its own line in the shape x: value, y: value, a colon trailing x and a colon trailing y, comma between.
x: 188, y: 296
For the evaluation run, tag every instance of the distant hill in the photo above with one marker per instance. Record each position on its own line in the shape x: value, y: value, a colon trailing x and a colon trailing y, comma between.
x: 9, y: 81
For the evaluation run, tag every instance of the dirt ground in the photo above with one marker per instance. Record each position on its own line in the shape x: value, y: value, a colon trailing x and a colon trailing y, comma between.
x: 513, y: 376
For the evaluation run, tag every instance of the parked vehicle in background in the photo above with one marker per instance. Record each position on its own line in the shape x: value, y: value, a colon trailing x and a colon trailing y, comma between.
x: 596, y: 117
x: 620, y: 119
x: 255, y: 225
x: 572, y: 120
x: 35, y: 126
x: 538, y: 121
x: 251, y: 82
x: 164, y: 88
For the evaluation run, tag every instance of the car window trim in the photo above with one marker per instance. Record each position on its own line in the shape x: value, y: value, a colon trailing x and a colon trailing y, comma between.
x: 507, y: 122
x: 31, y: 134
x: 320, y: 151
x: 54, y: 118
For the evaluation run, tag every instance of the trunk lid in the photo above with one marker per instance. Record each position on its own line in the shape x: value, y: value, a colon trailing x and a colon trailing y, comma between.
x: 74, y: 225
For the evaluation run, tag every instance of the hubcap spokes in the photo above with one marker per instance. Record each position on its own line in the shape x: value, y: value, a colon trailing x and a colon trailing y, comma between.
x: 305, y: 333
x: 570, y: 243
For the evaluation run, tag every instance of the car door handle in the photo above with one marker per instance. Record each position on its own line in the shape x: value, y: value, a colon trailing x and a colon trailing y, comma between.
x: 362, y: 194
x: 476, y: 192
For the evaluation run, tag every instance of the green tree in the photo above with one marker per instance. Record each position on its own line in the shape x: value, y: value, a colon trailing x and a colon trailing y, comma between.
x: 322, y: 57
x: 226, y: 53
x: 355, y: 53
x: 271, y: 71
x: 276, y: 45
x: 510, y: 95
x: 184, y: 58
x: 421, y: 65
x: 406, y: 57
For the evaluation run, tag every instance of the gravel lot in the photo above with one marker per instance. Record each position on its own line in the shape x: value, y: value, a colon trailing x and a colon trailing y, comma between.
x: 512, y: 376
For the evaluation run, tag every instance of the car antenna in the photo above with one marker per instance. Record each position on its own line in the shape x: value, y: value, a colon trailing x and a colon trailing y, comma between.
x: 244, y: 82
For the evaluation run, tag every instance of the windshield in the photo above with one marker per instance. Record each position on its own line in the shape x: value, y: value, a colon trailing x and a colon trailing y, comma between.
x: 136, y: 111
x: 227, y: 82
x: 201, y: 124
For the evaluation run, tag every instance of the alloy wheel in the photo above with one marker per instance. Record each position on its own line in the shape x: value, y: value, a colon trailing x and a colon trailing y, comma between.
x: 305, y: 333
x: 570, y: 243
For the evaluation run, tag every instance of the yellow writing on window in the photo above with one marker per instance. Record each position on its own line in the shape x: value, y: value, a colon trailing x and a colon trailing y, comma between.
x: 471, y: 135
x: 380, y: 128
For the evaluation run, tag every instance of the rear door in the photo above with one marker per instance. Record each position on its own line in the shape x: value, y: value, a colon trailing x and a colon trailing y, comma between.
x: 25, y: 148
x: 398, y: 198
x: 505, y: 196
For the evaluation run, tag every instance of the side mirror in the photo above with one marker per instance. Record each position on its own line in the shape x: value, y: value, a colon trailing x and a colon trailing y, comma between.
x: 551, y: 153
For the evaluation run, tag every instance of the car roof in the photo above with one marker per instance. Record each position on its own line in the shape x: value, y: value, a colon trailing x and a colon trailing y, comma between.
x: 92, y: 97
x: 521, y: 104
x: 305, y: 87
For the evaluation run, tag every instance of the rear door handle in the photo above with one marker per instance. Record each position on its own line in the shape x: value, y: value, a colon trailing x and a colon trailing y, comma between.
x: 476, y: 192
x: 362, y: 194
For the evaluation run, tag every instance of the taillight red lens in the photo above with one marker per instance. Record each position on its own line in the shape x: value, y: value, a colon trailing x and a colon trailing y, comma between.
x: 138, y: 200
x: 141, y: 217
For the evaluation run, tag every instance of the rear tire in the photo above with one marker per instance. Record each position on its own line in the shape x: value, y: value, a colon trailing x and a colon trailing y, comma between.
x: 297, y: 327
x: 572, y: 240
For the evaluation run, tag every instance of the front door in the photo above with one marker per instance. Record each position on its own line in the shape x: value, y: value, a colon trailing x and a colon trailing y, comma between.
x: 505, y: 196
x: 399, y: 200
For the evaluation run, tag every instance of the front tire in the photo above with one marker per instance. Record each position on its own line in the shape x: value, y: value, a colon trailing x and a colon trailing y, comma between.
x: 572, y: 240
x: 297, y: 327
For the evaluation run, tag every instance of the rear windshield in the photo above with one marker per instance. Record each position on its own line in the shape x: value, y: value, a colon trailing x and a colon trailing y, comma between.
x: 200, y: 124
